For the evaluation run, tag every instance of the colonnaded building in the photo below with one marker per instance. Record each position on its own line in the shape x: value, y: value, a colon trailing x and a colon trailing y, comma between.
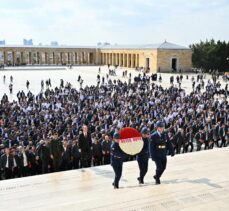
x: 162, y: 57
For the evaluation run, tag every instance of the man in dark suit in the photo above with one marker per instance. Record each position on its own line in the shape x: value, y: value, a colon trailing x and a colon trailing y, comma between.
x: 97, y: 153
x: 208, y: 138
x: 23, y: 161
x: 75, y: 154
x: 199, y: 139
x: 85, y: 145
x: 106, y: 145
x: 222, y: 135
x: 159, y: 145
x: 179, y: 140
x: 43, y: 152
x: 56, y: 151
x: 66, y: 157
x: 7, y: 164
x: 189, y: 140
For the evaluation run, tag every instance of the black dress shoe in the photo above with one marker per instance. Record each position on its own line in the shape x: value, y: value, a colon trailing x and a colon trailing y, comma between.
x: 116, y: 187
x: 157, y: 180
x: 140, y: 181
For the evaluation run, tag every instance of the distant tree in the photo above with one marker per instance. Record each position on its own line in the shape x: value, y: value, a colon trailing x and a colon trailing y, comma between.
x: 211, y: 55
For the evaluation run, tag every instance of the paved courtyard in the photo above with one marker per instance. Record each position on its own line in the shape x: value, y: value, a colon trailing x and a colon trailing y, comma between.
x: 88, y: 73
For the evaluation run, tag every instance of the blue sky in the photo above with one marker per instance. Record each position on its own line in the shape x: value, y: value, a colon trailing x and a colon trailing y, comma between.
x: 86, y: 22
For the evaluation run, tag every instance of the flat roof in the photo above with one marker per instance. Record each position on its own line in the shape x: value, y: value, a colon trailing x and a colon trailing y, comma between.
x: 164, y: 45
x: 47, y: 46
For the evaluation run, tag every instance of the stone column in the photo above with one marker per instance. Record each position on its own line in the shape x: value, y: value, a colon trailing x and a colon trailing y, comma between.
x: 38, y: 57
x: 102, y: 58
x: 76, y: 59
x: 22, y: 58
x: 88, y: 58
x: 129, y: 65
x: 82, y: 58
x: 68, y: 58
x: 71, y: 58
x: 41, y: 57
x: 61, y: 58
x: 117, y: 59
x: 127, y: 60
x: 114, y: 61
x: 79, y: 57
x: 105, y: 59
x: 53, y: 58
x: 132, y: 60
x: 46, y: 58
x: 137, y: 63
x: 105, y: 56
x: 120, y: 59
x: 5, y: 57
x: 111, y: 59
x: 30, y: 58
x: 108, y: 58
x: 13, y: 57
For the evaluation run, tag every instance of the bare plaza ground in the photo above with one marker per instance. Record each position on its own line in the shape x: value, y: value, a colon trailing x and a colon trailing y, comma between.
x: 88, y: 73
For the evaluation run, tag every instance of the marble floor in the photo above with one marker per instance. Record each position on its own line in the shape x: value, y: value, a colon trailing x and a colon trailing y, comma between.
x: 193, y: 181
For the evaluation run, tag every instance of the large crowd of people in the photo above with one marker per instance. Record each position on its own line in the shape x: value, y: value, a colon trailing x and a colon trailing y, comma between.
x: 63, y: 128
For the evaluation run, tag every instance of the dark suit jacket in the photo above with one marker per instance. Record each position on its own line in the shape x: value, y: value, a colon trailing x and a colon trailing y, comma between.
x: 75, y: 152
x: 44, y: 153
x: 4, y: 160
x: 67, y: 154
x: 222, y: 132
x: 56, y: 148
x: 208, y: 136
x: 199, y: 136
x: 189, y: 137
x: 85, y: 143
x: 21, y: 159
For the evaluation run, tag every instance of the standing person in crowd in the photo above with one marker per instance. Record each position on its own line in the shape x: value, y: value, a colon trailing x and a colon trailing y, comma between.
x: 96, y: 153
x: 116, y: 159
x: 56, y: 151
x: 189, y: 140
x: 11, y: 88
x: 199, y: 137
x: 23, y: 155
x: 66, y: 163
x: 143, y: 156
x: 222, y: 135
x: 179, y: 140
x: 16, y: 164
x: 159, y: 145
x: 75, y: 154
x: 43, y: 152
x: 208, y: 138
x: 7, y: 164
x: 85, y: 145
x: 27, y: 84
x: 106, y: 146
x: 216, y: 134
